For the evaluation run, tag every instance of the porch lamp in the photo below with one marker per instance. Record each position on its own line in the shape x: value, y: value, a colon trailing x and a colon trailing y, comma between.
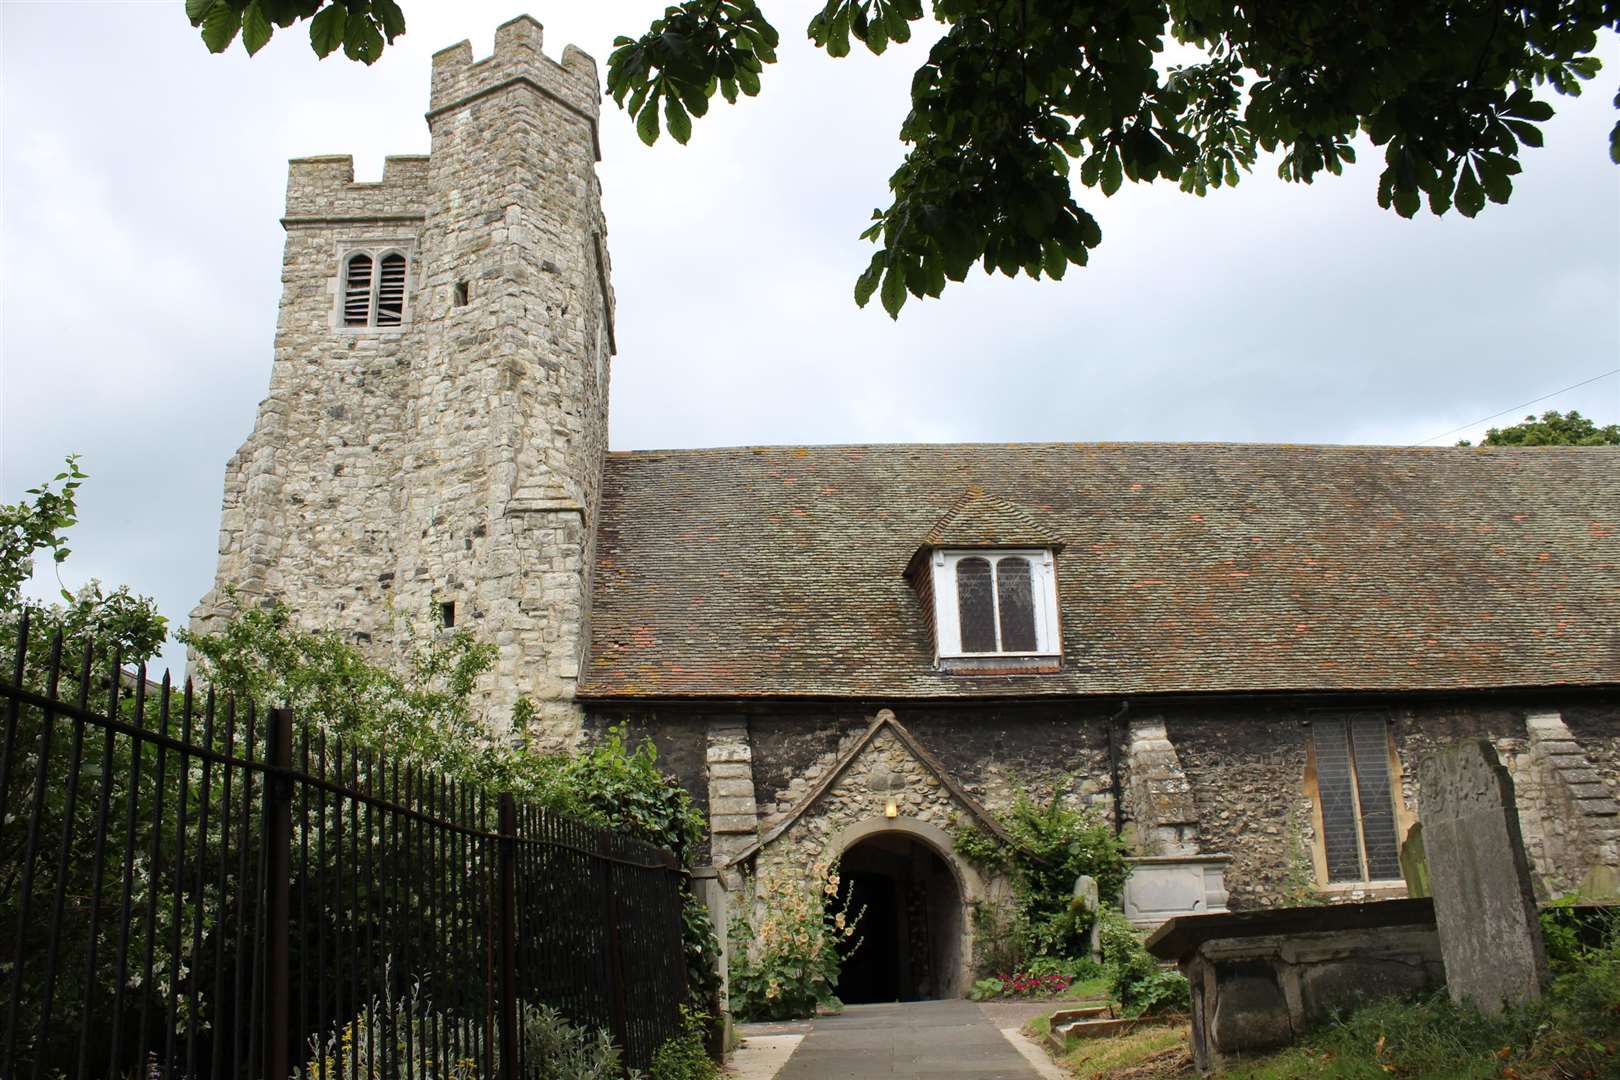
x: 891, y: 809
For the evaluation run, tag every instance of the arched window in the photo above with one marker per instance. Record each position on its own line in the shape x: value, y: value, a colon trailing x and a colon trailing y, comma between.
x: 391, y: 290
x: 374, y: 289
x: 1015, y: 603
x: 975, y: 604
x: 357, y: 290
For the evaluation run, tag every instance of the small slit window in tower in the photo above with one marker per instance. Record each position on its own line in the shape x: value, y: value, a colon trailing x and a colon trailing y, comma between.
x: 391, y: 290
x: 447, y: 614
x: 463, y: 293
x: 357, y: 291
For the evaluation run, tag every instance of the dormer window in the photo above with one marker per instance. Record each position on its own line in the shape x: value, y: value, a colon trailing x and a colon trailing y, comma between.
x: 987, y: 573
x: 995, y: 603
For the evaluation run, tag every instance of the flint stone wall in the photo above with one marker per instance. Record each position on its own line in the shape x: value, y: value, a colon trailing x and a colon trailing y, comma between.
x: 988, y: 751
x: 1246, y: 768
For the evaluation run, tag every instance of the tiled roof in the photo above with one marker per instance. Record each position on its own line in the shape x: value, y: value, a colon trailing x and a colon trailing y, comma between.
x: 979, y: 519
x: 757, y: 572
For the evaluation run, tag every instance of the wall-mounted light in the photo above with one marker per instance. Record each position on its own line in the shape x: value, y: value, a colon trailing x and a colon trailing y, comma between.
x: 891, y: 809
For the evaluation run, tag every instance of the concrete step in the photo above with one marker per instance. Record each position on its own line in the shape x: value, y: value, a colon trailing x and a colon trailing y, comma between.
x: 1084, y: 1011
x: 1095, y: 1028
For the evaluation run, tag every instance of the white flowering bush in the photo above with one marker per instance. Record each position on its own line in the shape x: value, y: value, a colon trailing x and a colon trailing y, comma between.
x: 786, y: 961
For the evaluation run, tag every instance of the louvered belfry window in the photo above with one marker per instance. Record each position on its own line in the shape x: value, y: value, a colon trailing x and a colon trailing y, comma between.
x: 374, y: 290
x: 357, y: 291
x: 391, y: 290
x: 1355, y: 787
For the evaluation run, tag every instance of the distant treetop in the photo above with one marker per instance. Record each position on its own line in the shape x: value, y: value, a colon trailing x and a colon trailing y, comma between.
x: 1553, y: 429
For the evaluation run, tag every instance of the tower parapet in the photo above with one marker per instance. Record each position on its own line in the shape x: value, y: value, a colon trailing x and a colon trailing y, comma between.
x: 458, y: 80
x: 432, y: 442
x: 324, y: 187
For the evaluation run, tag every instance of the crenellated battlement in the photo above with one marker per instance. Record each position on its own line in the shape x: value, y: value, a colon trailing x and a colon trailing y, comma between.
x: 322, y: 188
x: 459, y: 80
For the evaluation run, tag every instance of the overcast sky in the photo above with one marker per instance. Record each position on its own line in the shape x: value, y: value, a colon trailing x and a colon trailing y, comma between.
x: 143, y: 180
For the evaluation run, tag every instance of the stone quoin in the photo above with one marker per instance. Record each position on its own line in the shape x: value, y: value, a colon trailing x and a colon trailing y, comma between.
x: 1234, y: 654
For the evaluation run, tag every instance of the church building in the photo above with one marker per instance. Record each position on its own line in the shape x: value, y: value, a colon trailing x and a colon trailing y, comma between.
x: 1236, y: 654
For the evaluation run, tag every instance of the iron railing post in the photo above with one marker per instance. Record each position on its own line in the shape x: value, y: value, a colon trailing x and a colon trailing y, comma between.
x: 507, y: 928
x: 278, y: 849
x: 613, y: 917
x: 677, y: 875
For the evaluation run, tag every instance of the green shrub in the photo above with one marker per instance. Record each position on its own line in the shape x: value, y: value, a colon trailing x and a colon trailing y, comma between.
x: 397, y: 1036
x: 567, y: 1051
x: 985, y: 989
x: 1585, y: 995
x: 1054, y: 843
x: 684, y: 1056
x: 1136, y: 980
x: 998, y: 936
x: 1074, y: 968
x: 421, y: 715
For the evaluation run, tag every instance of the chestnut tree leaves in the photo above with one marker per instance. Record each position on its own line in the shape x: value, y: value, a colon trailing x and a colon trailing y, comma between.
x: 1020, y: 104
x: 361, y: 28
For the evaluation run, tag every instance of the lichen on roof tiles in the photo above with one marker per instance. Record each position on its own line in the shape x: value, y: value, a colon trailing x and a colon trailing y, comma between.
x: 980, y: 519
x: 1377, y: 549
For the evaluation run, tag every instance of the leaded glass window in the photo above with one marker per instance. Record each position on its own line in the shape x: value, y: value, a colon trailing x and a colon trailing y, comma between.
x: 998, y: 602
x: 1015, y: 603
x: 975, y: 603
x: 1355, y: 788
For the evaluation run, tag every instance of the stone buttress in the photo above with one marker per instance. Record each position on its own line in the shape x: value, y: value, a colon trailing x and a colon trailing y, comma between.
x: 448, y: 466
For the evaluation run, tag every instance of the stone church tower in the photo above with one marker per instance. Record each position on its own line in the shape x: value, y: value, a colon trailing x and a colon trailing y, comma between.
x: 431, y: 446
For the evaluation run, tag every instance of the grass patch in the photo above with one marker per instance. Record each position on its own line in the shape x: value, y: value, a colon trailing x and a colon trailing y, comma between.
x: 1148, y: 1053
x: 1436, y: 1040
x: 1092, y: 989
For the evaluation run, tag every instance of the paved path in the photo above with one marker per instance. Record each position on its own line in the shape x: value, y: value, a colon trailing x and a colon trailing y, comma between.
x: 923, y: 1039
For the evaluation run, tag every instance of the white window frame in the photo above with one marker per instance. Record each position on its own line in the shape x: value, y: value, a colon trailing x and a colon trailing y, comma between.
x: 377, y: 252
x: 947, y: 619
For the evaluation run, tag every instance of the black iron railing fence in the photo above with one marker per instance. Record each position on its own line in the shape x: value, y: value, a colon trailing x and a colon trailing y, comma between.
x: 193, y: 889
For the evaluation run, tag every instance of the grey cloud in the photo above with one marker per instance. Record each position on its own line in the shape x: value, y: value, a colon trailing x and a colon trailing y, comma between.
x: 143, y: 182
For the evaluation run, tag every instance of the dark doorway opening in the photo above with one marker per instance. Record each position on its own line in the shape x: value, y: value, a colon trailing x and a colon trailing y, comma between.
x: 908, y: 946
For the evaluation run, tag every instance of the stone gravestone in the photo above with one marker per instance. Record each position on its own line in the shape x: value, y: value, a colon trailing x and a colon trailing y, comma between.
x: 1415, y: 864
x: 1484, y: 906
x: 1087, y: 900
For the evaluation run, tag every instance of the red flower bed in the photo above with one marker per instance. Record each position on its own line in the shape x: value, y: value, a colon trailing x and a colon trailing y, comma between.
x: 1023, y: 984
